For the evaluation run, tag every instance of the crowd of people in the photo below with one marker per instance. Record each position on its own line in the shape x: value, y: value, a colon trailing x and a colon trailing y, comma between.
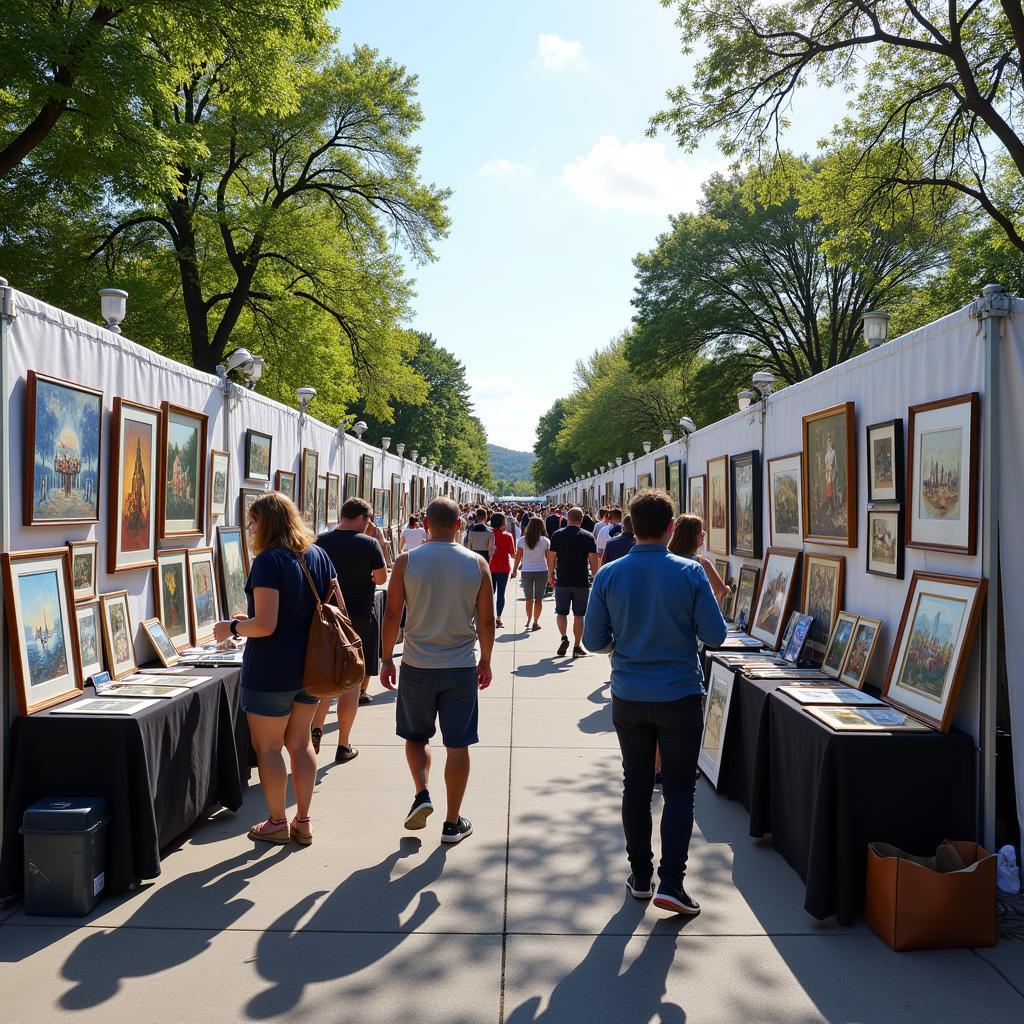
x: 635, y: 584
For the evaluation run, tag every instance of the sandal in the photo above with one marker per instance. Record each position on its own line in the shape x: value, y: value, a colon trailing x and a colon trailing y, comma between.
x: 301, y: 837
x: 271, y: 831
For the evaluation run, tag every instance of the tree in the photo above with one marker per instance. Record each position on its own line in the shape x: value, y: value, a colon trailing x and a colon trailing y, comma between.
x: 940, y: 89
x: 550, y: 467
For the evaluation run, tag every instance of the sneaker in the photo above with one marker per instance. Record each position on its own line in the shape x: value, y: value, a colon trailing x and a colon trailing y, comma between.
x: 456, y: 831
x: 499, y: 624
x: 675, y: 899
x: 578, y: 652
x: 563, y: 647
x: 345, y: 754
x: 316, y: 735
x: 535, y: 627
x: 641, y: 888
x: 421, y: 809
x: 365, y: 698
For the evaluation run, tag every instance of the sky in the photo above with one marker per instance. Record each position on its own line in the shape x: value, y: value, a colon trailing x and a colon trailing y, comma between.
x: 536, y: 116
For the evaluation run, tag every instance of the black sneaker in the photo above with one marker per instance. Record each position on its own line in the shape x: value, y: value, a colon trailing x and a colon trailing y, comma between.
x: 578, y: 652
x: 669, y: 897
x: 421, y: 809
x: 345, y: 754
x: 641, y: 888
x: 563, y: 647
x: 364, y: 699
x: 456, y: 831
x: 316, y: 735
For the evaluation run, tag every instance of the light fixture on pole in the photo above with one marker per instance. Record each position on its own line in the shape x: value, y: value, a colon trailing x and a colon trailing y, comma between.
x: 400, y: 450
x: 647, y: 447
x: 359, y: 429
x: 687, y: 426
x: 113, y: 304
x: 876, y: 328
x: 667, y: 434
x: 631, y: 456
x: 414, y: 455
x: 618, y: 460
x: 764, y: 381
x: 305, y: 396
x: 744, y: 398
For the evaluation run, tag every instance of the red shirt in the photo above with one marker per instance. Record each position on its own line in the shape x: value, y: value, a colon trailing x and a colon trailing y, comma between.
x: 504, y: 552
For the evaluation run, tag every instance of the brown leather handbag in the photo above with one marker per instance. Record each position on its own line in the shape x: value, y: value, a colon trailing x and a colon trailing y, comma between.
x: 334, y: 652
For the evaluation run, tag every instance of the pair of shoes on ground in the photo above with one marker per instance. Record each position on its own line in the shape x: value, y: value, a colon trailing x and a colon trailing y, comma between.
x: 563, y: 647
x: 668, y: 897
x: 279, y: 831
x: 422, y: 808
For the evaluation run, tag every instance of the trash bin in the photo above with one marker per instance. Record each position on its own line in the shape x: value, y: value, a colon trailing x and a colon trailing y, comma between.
x: 65, y: 853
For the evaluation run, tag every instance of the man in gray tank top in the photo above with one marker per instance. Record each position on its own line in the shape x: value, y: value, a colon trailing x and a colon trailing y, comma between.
x: 445, y: 590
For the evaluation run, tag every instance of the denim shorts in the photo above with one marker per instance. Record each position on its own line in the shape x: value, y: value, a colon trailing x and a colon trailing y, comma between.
x: 426, y: 696
x: 274, y: 703
x: 534, y: 583
x: 575, y: 596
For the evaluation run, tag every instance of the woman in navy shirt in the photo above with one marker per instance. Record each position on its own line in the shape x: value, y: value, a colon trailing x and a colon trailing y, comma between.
x: 278, y: 709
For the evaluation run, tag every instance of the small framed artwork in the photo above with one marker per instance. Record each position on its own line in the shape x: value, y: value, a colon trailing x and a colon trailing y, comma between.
x: 333, y: 499
x: 380, y: 506
x: 321, y: 503
x: 643, y: 483
x: 161, y: 642
x: 258, y: 448
x: 926, y: 669
x: 285, y: 483
x: 366, y: 477
x: 827, y: 693
x: 118, y: 637
x: 677, y: 484
x: 246, y: 496
x: 232, y: 561
x: 885, y: 542
x: 394, y: 517
x: 775, y: 597
x: 858, y: 656
x: 795, y: 640
x: 351, y: 486
x: 785, y: 502
x: 822, y: 595
x: 183, y: 471
x: 171, y: 595
x: 885, y: 461
x: 718, y: 505
x: 135, y: 461
x: 722, y: 567
x: 220, y: 463
x: 794, y: 618
x: 309, y: 469
x: 83, y: 568
x: 42, y: 627
x: 661, y: 473
x: 61, y: 460
x: 202, y: 594
x: 942, y: 482
x: 90, y: 637
x: 866, y: 719
x: 838, y: 644
x: 728, y: 604
x: 716, y: 720
x: 830, y: 476
x: 746, y: 591
x: 745, y: 496
x: 697, y: 504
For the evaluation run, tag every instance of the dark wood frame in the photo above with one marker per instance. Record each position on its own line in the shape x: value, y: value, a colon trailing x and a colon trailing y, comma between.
x: 980, y: 587
x: 644, y: 482
x: 974, y: 400
x: 859, y: 682
x: 193, y: 616
x: 114, y: 495
x: 707, y: 504
x: 799, y: 456
x: 158, y: 593
x: 689, y: 483
x: 900, y: 543
x: 787, y: 607
x: 848, y: 410
x: 366, y: 476
x: 838, y: 560
x: 29, y: 450
x: 147, y: 626
x: 756, y: 570
x: 107, y: 642
x: 897, y: 459
x: 336, y: 478
x: 661, y: 462
x: 757, y: 501
x: 346, y: 492
x: 681, y: 495
x: 721, y: 563
x: 214, y: 454
x: 221, y: 530
x: 249, y: 435
x: 279, y: 475
x: 95, y: 545
x: 302, y: 484
x: 243, y: 493
x: 166, y: 409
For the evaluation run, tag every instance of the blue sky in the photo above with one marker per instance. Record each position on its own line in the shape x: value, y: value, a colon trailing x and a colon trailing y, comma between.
x: 536, y: 116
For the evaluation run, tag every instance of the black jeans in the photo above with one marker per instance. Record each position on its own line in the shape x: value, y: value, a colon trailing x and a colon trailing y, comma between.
x: 676, y: 727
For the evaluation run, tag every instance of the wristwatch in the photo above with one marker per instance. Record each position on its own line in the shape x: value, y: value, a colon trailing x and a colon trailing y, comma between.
x: 234, y: 627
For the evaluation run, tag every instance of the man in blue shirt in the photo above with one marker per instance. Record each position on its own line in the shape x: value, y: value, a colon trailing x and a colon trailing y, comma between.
x: 648, y: 609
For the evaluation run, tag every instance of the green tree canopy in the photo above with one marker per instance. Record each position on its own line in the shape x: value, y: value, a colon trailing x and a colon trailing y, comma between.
x: 550, y: 466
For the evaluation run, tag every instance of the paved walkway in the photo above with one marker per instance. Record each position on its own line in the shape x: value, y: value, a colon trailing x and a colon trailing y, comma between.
x: 527, y: 921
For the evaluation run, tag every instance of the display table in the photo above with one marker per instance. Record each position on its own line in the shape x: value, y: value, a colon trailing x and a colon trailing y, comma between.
x: 160, y: 771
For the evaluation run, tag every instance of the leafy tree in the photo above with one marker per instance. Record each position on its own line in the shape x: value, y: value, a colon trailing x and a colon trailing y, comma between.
x: 550, y: 466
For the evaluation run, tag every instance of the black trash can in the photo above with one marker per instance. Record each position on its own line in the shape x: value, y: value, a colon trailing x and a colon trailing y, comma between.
x: 65, y: 853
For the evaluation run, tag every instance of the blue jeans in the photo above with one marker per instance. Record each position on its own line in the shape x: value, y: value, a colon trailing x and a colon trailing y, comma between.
x: 499, y: 580
x: 642, y: 727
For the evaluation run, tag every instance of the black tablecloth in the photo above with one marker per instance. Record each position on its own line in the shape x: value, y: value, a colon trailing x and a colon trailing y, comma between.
x: 159, y: 770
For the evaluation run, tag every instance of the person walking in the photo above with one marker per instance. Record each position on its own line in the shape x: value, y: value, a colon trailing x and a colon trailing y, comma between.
x: 688, y: 539
x: 531, y: 553
x: 413, y: 535
x: 280, y: 607
x: 612, y: 529
x: 649, y: 609
x: 479, y: 537
x: 571, y: 560
x: 553, y: 522
x: 620, y: 544
x: 501, y: 561
x: 446, y: 592
x: 360, y: 567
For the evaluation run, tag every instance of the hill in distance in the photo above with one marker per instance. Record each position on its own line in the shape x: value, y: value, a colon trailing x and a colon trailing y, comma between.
x: 510, y: 466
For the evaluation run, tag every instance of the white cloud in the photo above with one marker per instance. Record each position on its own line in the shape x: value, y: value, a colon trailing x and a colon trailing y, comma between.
x: 508, y: 410
x: 639, y: 177
x: 557, y: 54
x: 505, y: 168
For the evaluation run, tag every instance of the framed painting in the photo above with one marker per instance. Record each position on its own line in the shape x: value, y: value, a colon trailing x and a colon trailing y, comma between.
x: 171, y: 595
x: 830, y: 476
x: 697, y: 505
x: 716, y: 720
x: 746, y: 591
x: 885, y: 461
x: 928, y: 659
x: 42, y: 627
x: 61, y: 461
x: 775, y: 596
x: 822, y: 595
x: 284, y: 483
x: 745, y: 514
x: 661, y: 473
x: 202, y: 594
x: 395, y: 506
x: 795, y: 640
x: 885, y: 542
x: 321, y: 503
x: 83, y: 568
x: 380, y: 506
x: 90, y: 638
x: 643, y: 482
x: 351, y: 487
x: 366, y: 477
x: 866, y: 719
x: 160, y: 642
x: 838, y: 645
x: 942, y: 482
x: 858, y: 656
x: 232, y: 561
x: 132, y: 512
x: 722, y: 567
x: 220, y: 463
x: 309, y: 468
x: 333, y: 499
x: 785, y: 502
x: 718, y: 505
x: 118, y: 637
x: 677, y: 484
x: 182, y: 474
x: 728, y: 602
x: 258, y: 449
x: 246, y: 496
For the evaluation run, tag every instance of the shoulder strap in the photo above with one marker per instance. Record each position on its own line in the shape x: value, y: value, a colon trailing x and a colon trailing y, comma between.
x: 309, y: 579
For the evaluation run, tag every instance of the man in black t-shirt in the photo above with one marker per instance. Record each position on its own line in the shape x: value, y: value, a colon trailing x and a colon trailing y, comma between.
x: 359, y: 563
x: 572, y: 559
x: 553, y: 522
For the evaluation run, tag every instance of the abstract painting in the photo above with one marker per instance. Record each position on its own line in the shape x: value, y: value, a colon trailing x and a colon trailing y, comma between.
x: 830, y: 476
x: 134, y: 446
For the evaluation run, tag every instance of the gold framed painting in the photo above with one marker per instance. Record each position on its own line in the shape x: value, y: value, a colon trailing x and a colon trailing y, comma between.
x: 822, y: 595
x: 643, y: 483
x: 718, y: 505
x: 697, y: 504
x: 870, y: 719
x: 135, y: 467
x: 182, y: 471
x: 309, y: 469
x: 161, y: 642
x: 775, y: 596
x: 862, y: 646
x: 170, y: 589
x: 677, y: 484
x: 83, y: 554
x: 785, y: 500
x: 838, y: 644
x: 118, y: 636
x: 661, y: 473
x: 830, y: 476
x: 220, y: 463
x: 204, y: 611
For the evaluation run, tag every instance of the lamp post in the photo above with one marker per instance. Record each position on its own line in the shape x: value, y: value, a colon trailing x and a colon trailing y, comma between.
x: 667, y: 435
x: 876, y: 327
x: 385, y: 444
x: 113, y: 304
x: 744, y: 398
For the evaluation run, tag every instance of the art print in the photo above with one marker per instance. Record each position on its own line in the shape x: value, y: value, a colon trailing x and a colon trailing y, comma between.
x: 83, y: 568
x: 822, y: 596
x: 220, y: 463
x: 90, y: 637
x: 785, y: 502
x: 285, y: 484
x: 775, y: 595
x: 351, y: 486
x: 838, y: 644
x: 661, y: 473
x: 135, y: 440
x: 796, y: 637
x: 258, y: 447
x: 333, y: 499
x: 172, y: 595
x: 117, y: 633
x: 866, y: 719
x: 161, y: 642
x: 716, y: 719
x: 718, y: 505
x: 396, y: 500
x: 643, y: 483
x: 366, y: 477
x: 309, y: 469
x: 203, y: 607
x: 183, y: 458
x: 745, y: 593
x: 745, y: 514
x: 321, y: 504
x: 829, y: 476
x: 231, y: 557
x: 677, y: 484
x: 885, y: 461
x: 885, y: 542
x: 862, y: 646
x: 246, y: 496
x: 697, y: 504
x: 62, y: 451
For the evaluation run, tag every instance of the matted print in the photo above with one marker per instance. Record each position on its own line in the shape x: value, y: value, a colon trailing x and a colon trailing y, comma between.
x: 697, y: 504
x: 661, y: 473
x: 716, y: 720
x: 183, y: 474
x: 321, y: 503
x: 246, y: 496
x: 285, y: 483
x: 746, y: 591
x: 333, y: 499
x: 885, y: 461
x: 838, y: 644
x: 309, y: 468
x: 830, y: 476
x: 775, y: 596
x: 232, y: 560
x: 351, y: 486
x: 161, y: 642
x: 862, y: 646
x: 745, y: 518
x: 90, y: 637
x: 866, y: 720
x: 885, y: 542
x: 258, y: 450
x: 785, y: 501
x: 718, y: 505
x: 132, y: 513
x: 62, y: 451
x: 202, y: 604
x: 171, y: 595
x: 118, y: 636
x: 677, y: 484
x: 822, y: 595
x: 643, y: 483
x: 366, y: 477
x: 220, y: 463
x: 83, y: 555
x: 395, y: 506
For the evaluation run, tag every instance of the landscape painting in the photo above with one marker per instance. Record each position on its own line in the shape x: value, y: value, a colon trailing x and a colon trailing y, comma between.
x: 829, y: 471
x: 42, y: 623
x: 716, y: 719
x: 286, y: 483
x: 862, y: 645
x: 939, y: 481
x: 745, y: 514
x: 838, y: 644
x: 184, y: 462
x: 933, y: 633
x: 774, y: 596
x: 257, y: 455
x: 745, y: 592
x: 822, y: 596
x: 232, y: 571
x: 204, y: 596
